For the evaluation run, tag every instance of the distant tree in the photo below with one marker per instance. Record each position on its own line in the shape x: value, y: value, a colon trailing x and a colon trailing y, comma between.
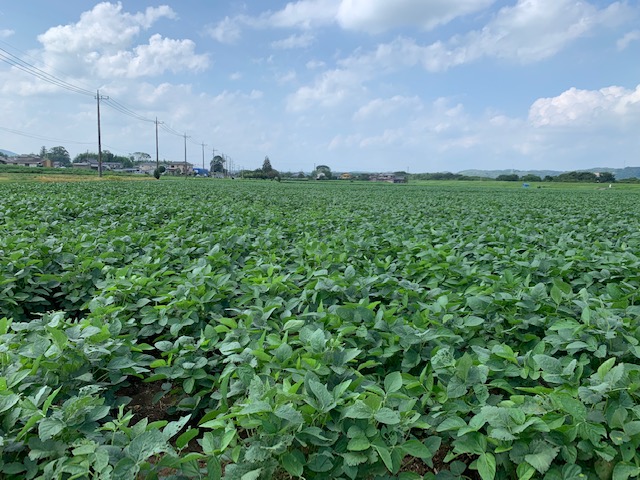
x: 43, y: 152
x: 443, y: 176
x: 107, y: 156
x: 85, y: 157
x: 140, y: 157
x: 268, y: 171
x: 59, y: 154
x: 122, y: 160
x: 510, y: 177
x: 322, y: 172
x: 266, y: 165
x: 606, y: 177
x: 630, y: 180
x: 583, y: 177
x: 531, y: 178
x: 548, y: 178
x: 217, y: 164
x: 159, y: 171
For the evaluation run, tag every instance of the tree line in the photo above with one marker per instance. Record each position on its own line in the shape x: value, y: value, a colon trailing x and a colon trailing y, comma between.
x: 571, y: 177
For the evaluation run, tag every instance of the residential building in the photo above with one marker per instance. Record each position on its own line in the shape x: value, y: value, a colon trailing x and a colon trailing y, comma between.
x: 25, y: 161
x: 179, y: 168
x: 388, y: 178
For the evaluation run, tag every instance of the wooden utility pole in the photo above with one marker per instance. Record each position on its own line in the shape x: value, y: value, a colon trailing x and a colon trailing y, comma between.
x: 185, y: 154
x: 98, y: 98
x: 203, y: 145
x: 157, y: 155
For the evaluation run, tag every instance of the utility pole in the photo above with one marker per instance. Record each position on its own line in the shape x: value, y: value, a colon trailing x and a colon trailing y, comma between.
x: 203, y: 145
x: 98, y: 98
x: 185, y: 154
x: 157, y: 156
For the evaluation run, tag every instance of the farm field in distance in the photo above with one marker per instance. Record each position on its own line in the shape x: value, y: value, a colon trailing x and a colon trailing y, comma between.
x: 245, y: 330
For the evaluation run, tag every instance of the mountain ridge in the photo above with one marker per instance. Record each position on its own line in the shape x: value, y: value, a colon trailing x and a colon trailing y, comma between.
x: 620, y: 173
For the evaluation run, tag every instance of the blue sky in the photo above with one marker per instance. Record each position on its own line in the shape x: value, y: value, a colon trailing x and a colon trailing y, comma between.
x: 359, y: 85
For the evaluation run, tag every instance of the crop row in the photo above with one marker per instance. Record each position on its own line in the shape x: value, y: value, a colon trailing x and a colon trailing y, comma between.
x: 318, y: 331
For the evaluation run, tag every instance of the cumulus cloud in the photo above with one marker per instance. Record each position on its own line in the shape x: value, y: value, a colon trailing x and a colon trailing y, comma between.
x: 6, y: 33
x: 159, y: 55
x: 102, y: 42
x: 376, y: 16
x: 103, y: 26
x: 587, y: 108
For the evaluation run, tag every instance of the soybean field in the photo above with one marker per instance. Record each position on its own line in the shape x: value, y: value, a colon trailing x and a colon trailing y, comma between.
x: 203, y: 329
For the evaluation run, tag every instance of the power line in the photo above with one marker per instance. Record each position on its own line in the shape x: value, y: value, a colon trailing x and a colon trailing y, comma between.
x: 126, y: 111
x: 39, y: 137
x: 35, y: 60
x: 170, y: 130
x: 20, y: 64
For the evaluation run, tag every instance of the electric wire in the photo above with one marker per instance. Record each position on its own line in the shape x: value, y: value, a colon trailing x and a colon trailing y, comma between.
x: 34, y: 60
x: 170, y: 130
x: 40, y: 137
x: 125, y: 110
x: 20, y: 64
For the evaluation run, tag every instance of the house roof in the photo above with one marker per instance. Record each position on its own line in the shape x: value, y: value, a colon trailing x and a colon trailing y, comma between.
x: 24, y: 160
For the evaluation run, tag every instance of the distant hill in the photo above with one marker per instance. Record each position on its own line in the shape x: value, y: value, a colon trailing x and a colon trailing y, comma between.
x: 520, y: 173
x: 620, y: 173
x: 8, y: 153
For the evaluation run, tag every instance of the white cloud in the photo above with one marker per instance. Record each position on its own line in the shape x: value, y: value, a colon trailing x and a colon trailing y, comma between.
x: 588, y: 108
x: 294, y: 41
x: 102, y: 43
x: 533, y: 30
x: 627, y: 39
x: 106, y: 25
x: 384, y: 107
x: 159, y: 55
x: 529, y: 31
x: 6, y: 33
x: 329, y: 90
x: 227, y: 30
x: 313, y: 64
x: 375, y: 16
x: 305, y: 14
x: 235, y: 76
x: 287, y: 77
